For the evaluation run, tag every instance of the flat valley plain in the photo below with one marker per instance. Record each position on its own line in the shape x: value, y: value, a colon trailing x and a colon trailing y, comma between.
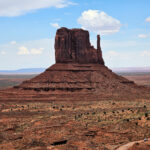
x: 60, y: 125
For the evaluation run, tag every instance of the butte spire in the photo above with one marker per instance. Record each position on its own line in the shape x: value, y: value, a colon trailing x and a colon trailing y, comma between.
x: 99, y: 51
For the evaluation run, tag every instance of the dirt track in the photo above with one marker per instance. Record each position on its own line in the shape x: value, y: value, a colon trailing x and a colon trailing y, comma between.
x: 130, y: 144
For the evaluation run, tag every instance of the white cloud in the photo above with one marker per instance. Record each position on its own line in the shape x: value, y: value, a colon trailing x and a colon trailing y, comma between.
x: 143, y: 36
x: 147, y: 19
x: 12, y: 8
x: 112, y: 53
x: 3, y: 52
x: 23, y: 51
x: 99, y: 22
x: 145, y: 53
x: 13, y: 42
x: 55, y: 25
x: 35, y: 51
x: 44, y: 60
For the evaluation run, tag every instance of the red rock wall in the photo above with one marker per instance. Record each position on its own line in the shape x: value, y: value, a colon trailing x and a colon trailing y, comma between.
x: 74, y: 46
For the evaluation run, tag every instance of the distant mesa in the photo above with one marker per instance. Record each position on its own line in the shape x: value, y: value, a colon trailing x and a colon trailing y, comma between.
x: 78, y: 74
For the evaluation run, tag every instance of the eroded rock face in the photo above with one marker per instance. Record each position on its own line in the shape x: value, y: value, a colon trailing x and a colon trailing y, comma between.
x: 73, y: 45
x: 79, y: 74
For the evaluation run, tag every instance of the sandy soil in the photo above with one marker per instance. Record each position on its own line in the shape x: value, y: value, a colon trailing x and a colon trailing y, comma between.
x: 94, y: 125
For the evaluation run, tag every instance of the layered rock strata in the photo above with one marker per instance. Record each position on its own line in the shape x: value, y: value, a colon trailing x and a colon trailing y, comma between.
x: 79, y: 74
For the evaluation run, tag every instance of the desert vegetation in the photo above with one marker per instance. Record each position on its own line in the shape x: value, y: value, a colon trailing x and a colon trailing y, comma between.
x: 73, y: 125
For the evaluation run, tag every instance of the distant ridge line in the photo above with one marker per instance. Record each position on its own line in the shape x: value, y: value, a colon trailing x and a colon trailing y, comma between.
x: 23, y: 71
x: 132, y: 69
x: 39, y: 70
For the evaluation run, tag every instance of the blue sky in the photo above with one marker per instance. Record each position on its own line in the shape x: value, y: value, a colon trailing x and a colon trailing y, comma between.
x: 28, y: 28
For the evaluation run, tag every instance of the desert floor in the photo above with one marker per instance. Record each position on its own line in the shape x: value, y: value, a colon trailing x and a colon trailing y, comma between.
x: 90, y: 125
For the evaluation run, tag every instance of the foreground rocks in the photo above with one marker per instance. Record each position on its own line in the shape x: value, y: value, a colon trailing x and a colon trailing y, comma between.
x: 73, y: 125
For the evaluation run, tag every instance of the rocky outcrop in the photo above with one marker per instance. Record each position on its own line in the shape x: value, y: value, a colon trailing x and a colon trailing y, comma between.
x: 79, y: 74
x: 73, y: 46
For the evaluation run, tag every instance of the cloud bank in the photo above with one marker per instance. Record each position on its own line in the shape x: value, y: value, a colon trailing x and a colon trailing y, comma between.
x: 55, y: 25
x: 99, y: 22
x: 2, y: 52
x: 27, y: 54
x: 25, y: 51
x: 143, y: 36
x: 10, y: 8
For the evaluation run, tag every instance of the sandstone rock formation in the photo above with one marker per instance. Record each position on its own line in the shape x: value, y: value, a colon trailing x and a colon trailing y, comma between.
x: 79, y: 74
x: 73, y: 46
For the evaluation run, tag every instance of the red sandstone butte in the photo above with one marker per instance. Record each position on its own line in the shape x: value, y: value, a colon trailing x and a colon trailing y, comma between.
x: 79, y: 74
x: 73, y: 46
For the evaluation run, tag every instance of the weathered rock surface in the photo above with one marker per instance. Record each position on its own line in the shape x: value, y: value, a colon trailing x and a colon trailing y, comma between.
x: 73, y: 46
x: 79, y: 74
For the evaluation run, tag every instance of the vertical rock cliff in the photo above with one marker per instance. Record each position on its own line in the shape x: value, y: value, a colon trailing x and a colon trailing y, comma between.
x: 73, y: 45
